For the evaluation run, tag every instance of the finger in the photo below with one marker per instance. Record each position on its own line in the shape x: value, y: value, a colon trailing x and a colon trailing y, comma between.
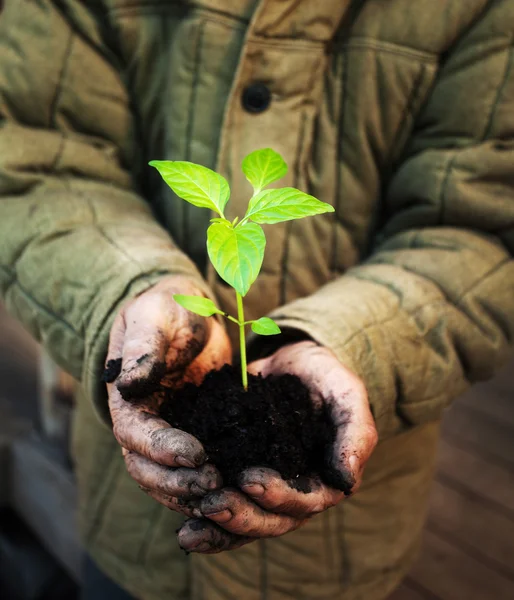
x: 190, y: 507
x: 181, y: 482
x: 356, y: 437
x: 116, y: 337
x: 115, y: 350
x: 149, y: 436
x: 217, y: 352
x: 285, y: 360
x: 236, y: 513
x: 161, y: 339
x: 148, y: 319
x: 300, y: 498
x: 260, y: 366
x: 205, y: 537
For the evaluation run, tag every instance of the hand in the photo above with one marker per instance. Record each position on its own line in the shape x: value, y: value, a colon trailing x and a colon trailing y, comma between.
x: 156, y: 342
x: 270, y: 506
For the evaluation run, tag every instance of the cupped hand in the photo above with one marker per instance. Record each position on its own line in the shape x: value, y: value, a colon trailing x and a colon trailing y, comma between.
x: 266, y: 505
x: 154, y: 342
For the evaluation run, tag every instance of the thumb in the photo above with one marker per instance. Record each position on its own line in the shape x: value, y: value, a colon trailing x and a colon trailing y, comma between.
x: 161, y: 340
x: 355, y: 439
x: 216, y: 353
x: 260, y: 366
x: 147, y: 321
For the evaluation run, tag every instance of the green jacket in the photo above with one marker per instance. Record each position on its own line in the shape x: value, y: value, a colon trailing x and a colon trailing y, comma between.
x: 399, y: 113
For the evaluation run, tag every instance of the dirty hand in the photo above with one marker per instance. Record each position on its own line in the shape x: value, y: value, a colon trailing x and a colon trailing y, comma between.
x: 156, y: 342
x: 269, y: 506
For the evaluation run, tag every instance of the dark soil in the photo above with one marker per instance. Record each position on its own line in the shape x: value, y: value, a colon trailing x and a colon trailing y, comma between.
x: 273, y: 424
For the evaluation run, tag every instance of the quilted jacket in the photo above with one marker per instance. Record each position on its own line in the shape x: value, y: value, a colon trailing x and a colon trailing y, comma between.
x: 399, y: 113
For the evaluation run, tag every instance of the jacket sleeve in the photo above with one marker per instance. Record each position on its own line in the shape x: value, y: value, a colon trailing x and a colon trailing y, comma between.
x: 76, y: 240
x: 432, y: 308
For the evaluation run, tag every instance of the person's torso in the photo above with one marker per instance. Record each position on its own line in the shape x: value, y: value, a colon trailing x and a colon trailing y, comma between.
x: 346, y: 80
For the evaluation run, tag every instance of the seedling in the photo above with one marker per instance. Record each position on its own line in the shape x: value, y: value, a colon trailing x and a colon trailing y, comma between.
x: 236, y: 248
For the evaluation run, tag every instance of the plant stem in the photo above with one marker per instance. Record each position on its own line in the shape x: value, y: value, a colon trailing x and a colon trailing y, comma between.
x: 242, y: 341
x: 232, y: 319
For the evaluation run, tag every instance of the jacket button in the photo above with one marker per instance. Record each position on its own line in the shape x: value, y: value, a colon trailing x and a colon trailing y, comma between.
x: 256, y: 98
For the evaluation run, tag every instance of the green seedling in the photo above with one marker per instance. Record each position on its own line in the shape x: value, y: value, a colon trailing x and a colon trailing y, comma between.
x: 236, y: 248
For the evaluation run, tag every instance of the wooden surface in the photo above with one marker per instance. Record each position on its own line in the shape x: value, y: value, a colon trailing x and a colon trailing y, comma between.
x: 468, y: 547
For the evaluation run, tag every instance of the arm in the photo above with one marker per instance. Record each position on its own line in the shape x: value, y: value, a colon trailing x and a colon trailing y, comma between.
x: 83, y: 263
x: 76, y: 239
x: 432, y: 309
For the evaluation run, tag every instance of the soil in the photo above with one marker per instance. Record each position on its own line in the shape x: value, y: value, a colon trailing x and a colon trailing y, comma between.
x: 273, y: 424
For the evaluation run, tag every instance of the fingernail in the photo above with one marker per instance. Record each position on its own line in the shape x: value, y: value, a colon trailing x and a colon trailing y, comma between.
x: 254, y: 489
x: 185, y: 462
x: 203, y: 547
x: 221, y: 516
x: 354, y: 465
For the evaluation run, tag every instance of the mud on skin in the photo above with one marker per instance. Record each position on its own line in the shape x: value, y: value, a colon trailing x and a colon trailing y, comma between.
x: 274, y: 424
x: 137, y: 389
x: 112, y: 370
x: 211, y: 538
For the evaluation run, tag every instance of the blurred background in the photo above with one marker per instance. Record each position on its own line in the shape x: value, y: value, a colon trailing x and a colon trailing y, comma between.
x: 468, y: 547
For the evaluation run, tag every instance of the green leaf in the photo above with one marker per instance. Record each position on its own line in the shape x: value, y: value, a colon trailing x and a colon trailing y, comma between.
x: 265, y: 326
x: 284, y: 204
x: 198, y: 305
x: 196, y: 184
x: 263, y: 167
x: 236, y: 253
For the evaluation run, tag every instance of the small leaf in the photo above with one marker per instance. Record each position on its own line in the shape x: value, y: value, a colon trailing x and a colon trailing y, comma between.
x: 198, y: 305
x: 263, y: 167
x: 236, y: 253
x: 284, y: 204
x: 196, y: 184
x: 265, y: 326
x: 219, y: 220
